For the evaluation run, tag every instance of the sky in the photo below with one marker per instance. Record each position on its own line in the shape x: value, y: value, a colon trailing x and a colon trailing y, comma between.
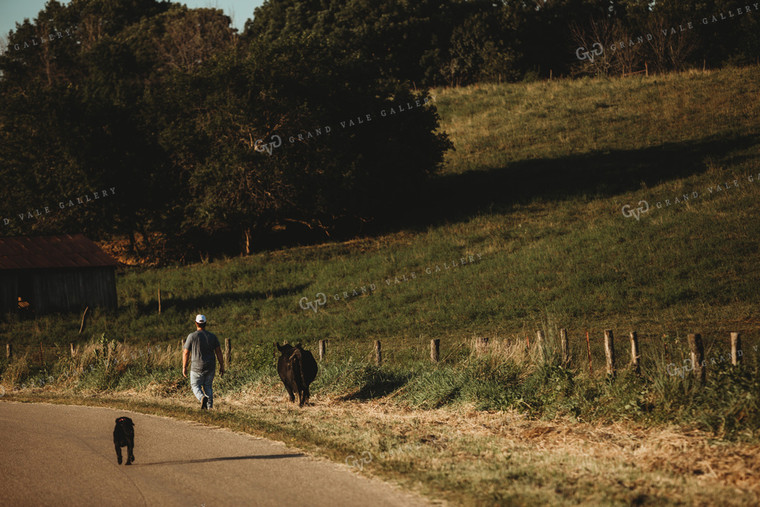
x: 12, y: 11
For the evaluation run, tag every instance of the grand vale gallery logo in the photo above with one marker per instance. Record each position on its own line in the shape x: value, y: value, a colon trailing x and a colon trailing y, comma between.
x: 276, y: 141
x: 321, y: 298
x: 643, y: 206
x: 38, y: 41
x: 597, y: 49
x: 635, y: 212
x: 71, y: 202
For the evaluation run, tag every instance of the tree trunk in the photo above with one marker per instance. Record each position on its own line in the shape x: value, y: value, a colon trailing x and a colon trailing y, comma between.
x: 247, y: 240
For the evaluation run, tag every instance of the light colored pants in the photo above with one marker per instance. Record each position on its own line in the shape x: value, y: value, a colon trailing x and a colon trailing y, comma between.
x: 202, y: 383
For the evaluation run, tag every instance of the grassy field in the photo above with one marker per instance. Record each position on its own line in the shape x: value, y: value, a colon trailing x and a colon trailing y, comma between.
x: 541, y: 217
x: 524, y: 230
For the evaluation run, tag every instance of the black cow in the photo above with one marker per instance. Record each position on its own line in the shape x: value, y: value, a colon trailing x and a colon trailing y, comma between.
x: 124, y: 436
x: 297, y: 369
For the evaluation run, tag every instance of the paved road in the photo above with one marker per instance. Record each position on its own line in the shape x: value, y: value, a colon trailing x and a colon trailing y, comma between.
x: 64, y: 455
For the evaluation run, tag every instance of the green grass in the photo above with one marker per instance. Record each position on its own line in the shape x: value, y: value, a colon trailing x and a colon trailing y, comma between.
x: 533, y: 193
x: 497, y: 125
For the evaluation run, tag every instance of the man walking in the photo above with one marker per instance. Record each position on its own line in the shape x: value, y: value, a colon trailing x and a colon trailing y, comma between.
x: 203, y: 346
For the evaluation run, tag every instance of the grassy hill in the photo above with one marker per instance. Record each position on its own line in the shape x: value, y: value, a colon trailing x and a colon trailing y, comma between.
x: 534, y: 192
x: 524, y: 230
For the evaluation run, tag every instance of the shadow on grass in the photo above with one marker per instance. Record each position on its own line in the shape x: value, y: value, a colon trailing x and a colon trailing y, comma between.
x: 211, y: 460
x: 378, y: 384
x: 216, y: 300
x: 591, y: 175
x: 599, y: 174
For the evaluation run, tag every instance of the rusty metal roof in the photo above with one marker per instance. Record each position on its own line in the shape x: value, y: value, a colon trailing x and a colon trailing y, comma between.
x: 43, y: 252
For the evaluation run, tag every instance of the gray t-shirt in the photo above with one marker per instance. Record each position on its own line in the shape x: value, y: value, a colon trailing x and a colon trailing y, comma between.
x: 202, y: 345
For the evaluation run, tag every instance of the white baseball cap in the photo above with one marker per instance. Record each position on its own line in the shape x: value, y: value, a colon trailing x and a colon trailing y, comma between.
x: 200, y: 319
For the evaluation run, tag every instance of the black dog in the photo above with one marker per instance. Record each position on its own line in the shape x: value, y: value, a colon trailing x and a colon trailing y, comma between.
x: 124, y: 436
x: 297, y: 369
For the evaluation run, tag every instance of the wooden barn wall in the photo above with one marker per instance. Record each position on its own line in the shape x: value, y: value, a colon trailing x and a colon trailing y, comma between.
x: 73, y: 289
x: 8, y: 291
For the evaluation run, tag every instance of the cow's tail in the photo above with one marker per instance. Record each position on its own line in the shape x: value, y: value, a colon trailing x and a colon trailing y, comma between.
x: 297, y: 364
x: 303, y: 380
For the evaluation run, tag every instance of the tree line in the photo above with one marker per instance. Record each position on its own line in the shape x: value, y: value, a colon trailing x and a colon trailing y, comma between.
x: 169, y: 104
x: 217, y: 139
x: 459, y: 42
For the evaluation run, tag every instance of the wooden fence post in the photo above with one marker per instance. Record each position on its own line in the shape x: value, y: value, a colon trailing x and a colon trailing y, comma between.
x: 540, y: 344
x: 435, y: 350
x: 378, y: 353
x: 227, y: 352
x: 565, y: 346
x: 159, y: 299
x: 609, y: 351
x: 9, y: 352
x: 736, y: 349
x: 697, y: 352
x: 635, y: 352
x: 322, y: 349
x: 84, y: 322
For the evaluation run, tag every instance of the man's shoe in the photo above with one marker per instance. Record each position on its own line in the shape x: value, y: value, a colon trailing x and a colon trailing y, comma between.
x: 204, y: 403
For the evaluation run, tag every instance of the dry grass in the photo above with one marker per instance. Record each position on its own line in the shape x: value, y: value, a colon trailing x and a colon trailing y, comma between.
x: 469, y: 448
x: 474, y: 457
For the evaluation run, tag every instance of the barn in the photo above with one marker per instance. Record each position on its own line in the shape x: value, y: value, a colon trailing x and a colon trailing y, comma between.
x: 48, y: 274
